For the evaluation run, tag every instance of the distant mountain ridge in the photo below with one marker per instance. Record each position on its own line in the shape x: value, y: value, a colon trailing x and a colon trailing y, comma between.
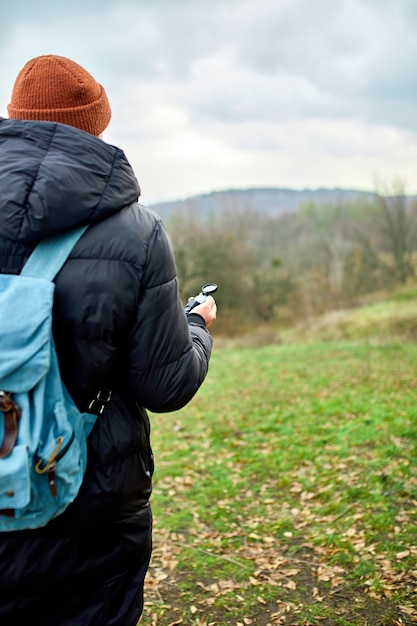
x: 268, y: 201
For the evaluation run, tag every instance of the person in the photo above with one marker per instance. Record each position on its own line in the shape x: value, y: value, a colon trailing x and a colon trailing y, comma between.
x: 123, y: 340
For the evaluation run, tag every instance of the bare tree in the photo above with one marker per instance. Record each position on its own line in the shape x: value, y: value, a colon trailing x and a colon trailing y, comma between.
x: 397, y: 225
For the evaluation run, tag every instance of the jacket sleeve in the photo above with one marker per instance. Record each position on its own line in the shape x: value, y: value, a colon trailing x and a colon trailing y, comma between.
x: 168, y: 354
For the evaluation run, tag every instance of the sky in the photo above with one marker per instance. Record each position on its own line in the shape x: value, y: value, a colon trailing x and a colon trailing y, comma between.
x: 209, y: 95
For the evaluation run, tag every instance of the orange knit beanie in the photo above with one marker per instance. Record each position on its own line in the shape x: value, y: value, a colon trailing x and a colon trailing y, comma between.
x: 56, y: 89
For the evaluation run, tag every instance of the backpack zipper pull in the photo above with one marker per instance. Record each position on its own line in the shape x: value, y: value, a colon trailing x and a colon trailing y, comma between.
x: 51, y: 462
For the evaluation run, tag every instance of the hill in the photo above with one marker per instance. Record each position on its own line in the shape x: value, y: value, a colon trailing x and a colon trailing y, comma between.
x: 268, y: 201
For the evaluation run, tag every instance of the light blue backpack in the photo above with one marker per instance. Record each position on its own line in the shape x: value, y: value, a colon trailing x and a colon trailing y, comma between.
x: 42, y: 433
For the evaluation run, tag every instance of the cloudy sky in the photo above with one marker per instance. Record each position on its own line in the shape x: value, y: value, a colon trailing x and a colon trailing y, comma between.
x: 217, y: 94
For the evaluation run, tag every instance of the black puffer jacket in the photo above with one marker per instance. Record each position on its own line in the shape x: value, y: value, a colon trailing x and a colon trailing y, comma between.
x: 119, y: 325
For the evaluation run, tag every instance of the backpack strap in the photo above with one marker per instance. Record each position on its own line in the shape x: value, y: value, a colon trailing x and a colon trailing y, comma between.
x: 50, y: 254
x: 45, y: 262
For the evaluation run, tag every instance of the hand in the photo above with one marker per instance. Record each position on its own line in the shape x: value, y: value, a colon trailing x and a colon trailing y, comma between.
x: 207, y: 310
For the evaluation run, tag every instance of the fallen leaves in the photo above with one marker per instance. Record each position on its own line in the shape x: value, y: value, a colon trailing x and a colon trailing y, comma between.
x: 402, y: 555
x: 307, y: 573
x: 293, y: 505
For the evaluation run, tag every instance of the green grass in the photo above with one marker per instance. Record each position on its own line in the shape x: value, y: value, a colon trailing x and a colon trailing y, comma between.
x: 286, y: 491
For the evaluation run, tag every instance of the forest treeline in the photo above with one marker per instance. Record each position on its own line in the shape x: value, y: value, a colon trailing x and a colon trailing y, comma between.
x: 287, y: 267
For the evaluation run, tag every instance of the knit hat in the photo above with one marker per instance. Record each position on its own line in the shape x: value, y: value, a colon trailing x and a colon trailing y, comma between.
x: 56, y: 89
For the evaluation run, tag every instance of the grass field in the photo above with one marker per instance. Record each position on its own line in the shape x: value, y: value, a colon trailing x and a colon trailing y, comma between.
x: 286, y: 491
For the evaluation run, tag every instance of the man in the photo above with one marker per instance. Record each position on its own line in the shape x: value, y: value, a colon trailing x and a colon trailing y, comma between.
x: 123, y: 340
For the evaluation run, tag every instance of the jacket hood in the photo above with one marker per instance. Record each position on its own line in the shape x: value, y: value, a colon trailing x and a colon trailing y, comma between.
x: 55, y: 177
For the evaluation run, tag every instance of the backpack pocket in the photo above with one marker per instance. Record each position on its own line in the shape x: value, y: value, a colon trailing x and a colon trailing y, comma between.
x: 14, y: 481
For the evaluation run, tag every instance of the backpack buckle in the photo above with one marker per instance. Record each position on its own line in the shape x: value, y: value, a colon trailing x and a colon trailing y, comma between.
x: 98, y: 404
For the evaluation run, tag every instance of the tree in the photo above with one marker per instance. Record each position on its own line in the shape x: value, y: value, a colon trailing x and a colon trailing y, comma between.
x: 397, y: 224
x: 206, y: 252
x: 331, y: 246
